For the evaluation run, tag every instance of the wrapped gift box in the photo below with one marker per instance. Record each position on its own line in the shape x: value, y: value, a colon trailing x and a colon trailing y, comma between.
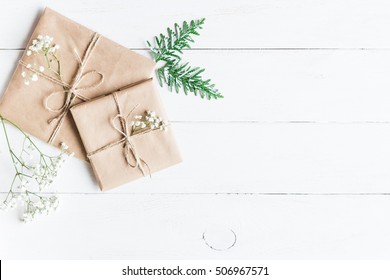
x: 64, y: 64
x: 125, y: 134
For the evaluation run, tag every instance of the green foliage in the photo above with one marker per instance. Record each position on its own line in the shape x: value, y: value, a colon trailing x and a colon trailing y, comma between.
x: 180, y: 75
x: 174, y: 73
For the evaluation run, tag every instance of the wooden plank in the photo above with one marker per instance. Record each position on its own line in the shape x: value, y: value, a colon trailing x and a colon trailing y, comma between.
x: 173, y: 227
x: 324, y: 86
x: 257, y: 158
x: 230, y: 24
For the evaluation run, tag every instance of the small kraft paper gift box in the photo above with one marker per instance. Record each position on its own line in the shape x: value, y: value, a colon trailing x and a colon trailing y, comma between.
x: 126, y: 134
x: 64, y: 64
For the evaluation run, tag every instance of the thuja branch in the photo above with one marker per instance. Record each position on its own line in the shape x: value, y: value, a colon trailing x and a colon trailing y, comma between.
x: 182, y: 76
x: 176, y: 74
x: 169, y: 47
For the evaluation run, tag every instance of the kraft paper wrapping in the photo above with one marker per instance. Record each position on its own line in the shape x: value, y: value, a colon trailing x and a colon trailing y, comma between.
x: 157, y: 148
x: 27, y: 105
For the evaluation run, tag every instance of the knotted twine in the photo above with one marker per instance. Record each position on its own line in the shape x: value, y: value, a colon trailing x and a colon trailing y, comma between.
x: 72, y: 90
x: 129, y: 150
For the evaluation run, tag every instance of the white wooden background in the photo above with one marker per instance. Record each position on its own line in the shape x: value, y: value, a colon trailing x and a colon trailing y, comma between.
x: 293, y: 163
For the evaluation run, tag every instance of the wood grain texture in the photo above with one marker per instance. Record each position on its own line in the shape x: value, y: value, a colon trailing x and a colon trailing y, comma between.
x: 173, y: 226
x: 258, y: 158
x: 279, y: 86
x: 293, y: 163
x: 230, y: 24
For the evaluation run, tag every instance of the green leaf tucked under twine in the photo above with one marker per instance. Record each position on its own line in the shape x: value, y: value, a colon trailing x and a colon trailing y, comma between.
x: 176, y: 74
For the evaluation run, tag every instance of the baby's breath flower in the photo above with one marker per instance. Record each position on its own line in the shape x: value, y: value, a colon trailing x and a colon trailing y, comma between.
x: 42, y: 173
x: 45, y: 46
x: 147, y: 122
x: 64, y: 146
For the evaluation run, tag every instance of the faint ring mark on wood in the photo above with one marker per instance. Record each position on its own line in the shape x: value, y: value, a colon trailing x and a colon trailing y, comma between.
x: 220, y: 239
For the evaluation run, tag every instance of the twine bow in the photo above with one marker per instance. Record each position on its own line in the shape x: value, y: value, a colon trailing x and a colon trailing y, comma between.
x: 72, y: 90
x: 129, y: 149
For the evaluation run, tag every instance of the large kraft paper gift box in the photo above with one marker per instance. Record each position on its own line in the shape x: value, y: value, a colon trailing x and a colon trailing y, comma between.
x: 126, y: 135
x: 64, y: 64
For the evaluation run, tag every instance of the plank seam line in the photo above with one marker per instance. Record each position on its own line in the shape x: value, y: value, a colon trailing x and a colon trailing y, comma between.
x: 222, y: 193
x: 251, y: 49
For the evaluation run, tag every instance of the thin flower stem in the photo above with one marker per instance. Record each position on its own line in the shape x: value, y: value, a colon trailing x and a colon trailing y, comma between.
x: 58, y: 66
x: 8, y: 144
x: 25, y: 134
x: 33, y: 193
x: 18, y: 159
x: 10, y: 190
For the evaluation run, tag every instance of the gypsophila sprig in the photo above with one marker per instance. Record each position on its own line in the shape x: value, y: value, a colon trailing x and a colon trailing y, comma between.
x: 42, y: 45
x: 34, y: 173
x: 147, y: 122
x: 176, y: 74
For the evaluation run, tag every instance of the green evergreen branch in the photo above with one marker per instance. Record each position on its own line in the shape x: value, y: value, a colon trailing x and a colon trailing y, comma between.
x: 182, y: 76
x: 170, y: 47
x: 174, y: 73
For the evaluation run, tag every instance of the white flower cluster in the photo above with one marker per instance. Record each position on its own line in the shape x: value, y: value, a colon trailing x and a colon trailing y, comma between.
x: 149, y: 121
x: 43, y: 44
x: 33, y: 204
x: 33, y: 76
x: 45, y: 205
x: 43, y: 174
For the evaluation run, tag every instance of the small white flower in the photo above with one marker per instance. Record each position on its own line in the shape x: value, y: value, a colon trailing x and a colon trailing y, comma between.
x: 41, y: 68
x: 143, y: 125
x: 131, y: 123
x: 34, y: 77
x: 64, y: 146
x: 40, y: 37
x: 137, y: 123
x: 24, y: 74
x: 57, y: 46
x: 28, y: 66
x: 153, y: 114
x: 28, y: 53
x: 26, y: 82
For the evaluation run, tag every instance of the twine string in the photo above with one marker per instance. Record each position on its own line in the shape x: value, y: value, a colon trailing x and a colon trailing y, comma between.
x: 72, y: 90
x: 129, y: 150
